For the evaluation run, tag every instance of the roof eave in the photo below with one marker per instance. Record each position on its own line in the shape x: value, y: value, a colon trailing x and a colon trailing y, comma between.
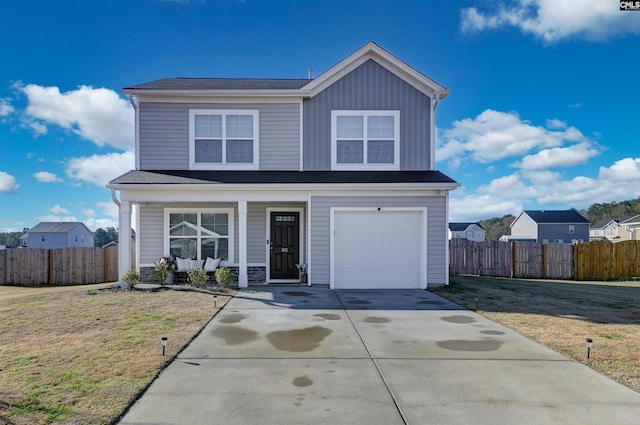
x: 281, y: 186
x: 141, y: 93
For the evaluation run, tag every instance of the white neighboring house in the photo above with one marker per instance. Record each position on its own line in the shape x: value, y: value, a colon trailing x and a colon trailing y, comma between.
x: 605, y: 230
x: 471, y: 231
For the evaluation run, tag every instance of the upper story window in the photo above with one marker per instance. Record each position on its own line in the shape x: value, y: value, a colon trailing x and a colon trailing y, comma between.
x: 572, y: 229
x: 365, y: 140
x: 223, y: 139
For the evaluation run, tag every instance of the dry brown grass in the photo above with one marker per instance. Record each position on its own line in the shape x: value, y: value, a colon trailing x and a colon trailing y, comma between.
x: 561, y: 315
x: 74, y: 356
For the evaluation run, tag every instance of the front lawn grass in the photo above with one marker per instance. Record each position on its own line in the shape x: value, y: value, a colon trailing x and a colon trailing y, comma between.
x: 81, y: 356
x: 561, y: 315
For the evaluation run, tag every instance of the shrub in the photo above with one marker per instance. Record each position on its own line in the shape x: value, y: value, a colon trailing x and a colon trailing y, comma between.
x: 131, y: 278
x: 224, y: 276
x: 198, y: 277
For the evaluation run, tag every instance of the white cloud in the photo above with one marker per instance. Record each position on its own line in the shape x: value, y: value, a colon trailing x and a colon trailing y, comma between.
x: 100, y: 169
x: 5, y: 108
x: 8, y: 183
x: 495, y: 135
x: 506, y: 195
x: 46, y: 177
x: 108, y: 210
x: 99, y: 115
x: 58, y: 210
x: 555, y: 20
x: 89, y: 213
x: 558, y: 157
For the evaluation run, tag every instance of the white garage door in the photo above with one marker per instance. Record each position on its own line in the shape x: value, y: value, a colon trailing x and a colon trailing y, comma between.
x: 378, y: 249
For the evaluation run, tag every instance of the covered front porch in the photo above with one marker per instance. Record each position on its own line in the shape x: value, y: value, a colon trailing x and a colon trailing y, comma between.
x: 264, y: 241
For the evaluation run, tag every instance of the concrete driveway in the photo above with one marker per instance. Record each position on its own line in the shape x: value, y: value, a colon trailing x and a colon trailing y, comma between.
x: 296, y: 355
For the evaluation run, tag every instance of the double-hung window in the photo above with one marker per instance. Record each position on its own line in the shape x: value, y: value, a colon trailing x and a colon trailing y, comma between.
x: 198, y: 234
x: 365, y: 140
x: 223, y: 139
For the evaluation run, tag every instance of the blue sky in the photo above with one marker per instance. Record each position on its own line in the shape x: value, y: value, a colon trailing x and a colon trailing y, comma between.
x: 543, y: 111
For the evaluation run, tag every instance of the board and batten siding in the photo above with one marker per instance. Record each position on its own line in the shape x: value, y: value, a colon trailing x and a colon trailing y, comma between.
x: 436, y: 231
x: 369, y: 87
x: 164, y: 134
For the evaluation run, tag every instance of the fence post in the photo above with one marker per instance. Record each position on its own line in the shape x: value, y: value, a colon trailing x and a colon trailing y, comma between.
x: 52, y: 269
x: 513, y: 259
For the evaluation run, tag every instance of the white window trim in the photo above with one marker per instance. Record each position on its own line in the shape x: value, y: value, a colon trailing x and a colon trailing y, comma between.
x: 373, y: 167
x: 193, y: 165
x: 229, y: 211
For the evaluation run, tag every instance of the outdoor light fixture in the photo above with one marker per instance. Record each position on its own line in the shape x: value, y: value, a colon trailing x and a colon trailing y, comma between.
x: 164, y: 344
x: 215, y: 301
x: 589, y: 342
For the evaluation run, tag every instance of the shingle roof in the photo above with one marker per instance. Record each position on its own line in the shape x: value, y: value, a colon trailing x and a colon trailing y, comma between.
x: 459, y: 227
x: 222, y: 84
x: 279, y: 177
x: 55, y: 227
x: 556, y: 216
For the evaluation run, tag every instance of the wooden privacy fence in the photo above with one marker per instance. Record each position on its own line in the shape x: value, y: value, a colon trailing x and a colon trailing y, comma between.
x: 64, y: 266
x: 584, y: 261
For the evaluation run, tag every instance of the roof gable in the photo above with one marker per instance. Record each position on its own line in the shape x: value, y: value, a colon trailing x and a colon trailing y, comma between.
x: 371, y: 51
x: 460, y: 227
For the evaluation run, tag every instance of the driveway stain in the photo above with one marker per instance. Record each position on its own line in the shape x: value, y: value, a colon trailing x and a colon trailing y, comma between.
x: 431, y: 302
x: 297, y: 293
x: 372, y: 319
x: 464, y: 345
x: 458, y: 319
x: 233, y: 318
x: 328, y: 316
x: 298, y: 340
x: 302, y: 381
x: 492, y: 332
x: 235, y: 335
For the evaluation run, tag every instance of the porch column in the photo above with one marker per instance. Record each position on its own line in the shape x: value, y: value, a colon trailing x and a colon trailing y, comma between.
x: 243, y: 277
x: 124, y: 239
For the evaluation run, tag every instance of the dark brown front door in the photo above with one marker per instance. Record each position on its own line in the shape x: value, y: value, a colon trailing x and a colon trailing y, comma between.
x: 284, y: 245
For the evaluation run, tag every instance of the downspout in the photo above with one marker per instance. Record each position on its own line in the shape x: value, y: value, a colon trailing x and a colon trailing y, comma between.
x: 434, y: 105
x: 132, y: 101
x: 114, y: 198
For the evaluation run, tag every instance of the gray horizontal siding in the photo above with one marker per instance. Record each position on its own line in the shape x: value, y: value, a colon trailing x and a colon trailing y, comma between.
x: 369, y: 87
x: 164, y: 134
x: 150, y: 235
x: 436, y: 231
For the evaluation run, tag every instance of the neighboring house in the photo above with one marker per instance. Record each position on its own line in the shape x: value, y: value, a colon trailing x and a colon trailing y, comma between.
x: 632, y: 227
x: 561, y: 226
x: 335, y: 173
x: 608, y: 229
x: 471, y: 231
x: 49, y: 235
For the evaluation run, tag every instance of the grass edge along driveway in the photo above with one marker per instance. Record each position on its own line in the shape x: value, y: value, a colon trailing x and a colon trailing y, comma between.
x: 562, y: 315
x: 77, y: 355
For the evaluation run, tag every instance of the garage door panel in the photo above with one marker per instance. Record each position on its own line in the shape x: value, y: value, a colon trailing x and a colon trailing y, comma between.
x: 377, y: 249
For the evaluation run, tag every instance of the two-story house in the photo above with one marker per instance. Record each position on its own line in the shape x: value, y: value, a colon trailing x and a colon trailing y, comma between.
x: 51, y: 235
x: 471, y: 231
x: 631, y: 227
x: 336, y: 173
x: 545, y: 226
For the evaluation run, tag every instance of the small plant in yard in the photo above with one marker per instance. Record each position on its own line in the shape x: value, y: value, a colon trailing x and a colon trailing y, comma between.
x: 224, y: 276
x: 198, y: 277
x: 131, y: 278
x: 162, y: 267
